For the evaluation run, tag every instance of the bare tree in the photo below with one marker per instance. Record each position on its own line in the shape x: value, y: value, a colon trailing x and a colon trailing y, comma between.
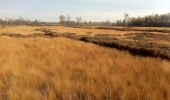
x: 62, y: 19
x: 126, y: 18
x: 68, y: 18
x: 79, y: 20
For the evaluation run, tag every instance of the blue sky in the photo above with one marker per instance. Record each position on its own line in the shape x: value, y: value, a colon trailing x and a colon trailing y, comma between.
x: 95, y: 10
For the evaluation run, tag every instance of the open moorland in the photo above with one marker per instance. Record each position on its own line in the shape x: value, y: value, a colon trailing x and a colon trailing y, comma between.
x: 84, y: 63
x: 153, y: 42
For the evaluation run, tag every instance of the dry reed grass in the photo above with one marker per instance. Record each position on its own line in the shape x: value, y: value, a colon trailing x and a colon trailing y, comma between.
x: 25, y: 30
x: 59, y: 68
x: 60, y: 29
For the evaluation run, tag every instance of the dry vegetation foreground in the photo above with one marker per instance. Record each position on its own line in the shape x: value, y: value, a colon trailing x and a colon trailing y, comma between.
x: 40, y: 68
x: 59, y: 68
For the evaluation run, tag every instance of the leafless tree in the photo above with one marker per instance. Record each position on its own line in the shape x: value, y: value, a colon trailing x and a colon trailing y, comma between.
x: 68, y: 18
x: 126, y: 18
x: 62, y: 19
x: 79, y: 20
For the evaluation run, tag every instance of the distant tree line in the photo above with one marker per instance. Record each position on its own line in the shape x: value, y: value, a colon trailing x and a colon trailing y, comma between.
x: 154, y: 20
x: 147, y: 21
x: 66, y: 21
x: 22, y: 21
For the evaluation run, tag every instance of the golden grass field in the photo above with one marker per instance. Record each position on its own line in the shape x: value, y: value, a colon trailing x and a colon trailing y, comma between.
x: 40, y: 68
x: 31, y: 30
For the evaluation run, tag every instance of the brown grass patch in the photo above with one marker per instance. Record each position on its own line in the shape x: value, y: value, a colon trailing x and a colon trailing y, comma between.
x: 38, y: 68
x: 24, y: 30
x: 58, y: 68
